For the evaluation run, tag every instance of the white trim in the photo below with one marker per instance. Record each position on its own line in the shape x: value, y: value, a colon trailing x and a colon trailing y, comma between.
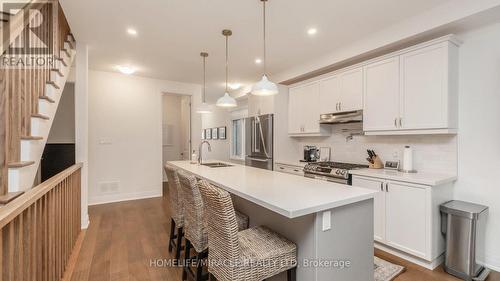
x: 413, y: 259
x: 231, y: 143
x: 113, y: 198
x: 85, y: 222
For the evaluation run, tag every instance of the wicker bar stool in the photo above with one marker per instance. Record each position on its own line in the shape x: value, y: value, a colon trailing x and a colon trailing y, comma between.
x: 176, y: 212
x: 195, y: 226
x: 249, y: 255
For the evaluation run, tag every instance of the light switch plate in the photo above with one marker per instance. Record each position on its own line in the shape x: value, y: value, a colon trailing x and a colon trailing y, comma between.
x: 327, y: 220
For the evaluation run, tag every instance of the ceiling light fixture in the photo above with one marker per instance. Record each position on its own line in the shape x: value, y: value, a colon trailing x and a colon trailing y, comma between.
x: 258, y: 61
x: 132, y: 31
x: 264, y: 87
x: 226, y: 100
x: 312, y: 31
x: 204, y: 106
x: 125, y: 69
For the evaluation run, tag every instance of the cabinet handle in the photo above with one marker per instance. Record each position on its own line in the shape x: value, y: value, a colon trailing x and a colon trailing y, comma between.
x: 282, y: 168
x: 386, y: 187
x: 340, y: 106
x: 400, y: 122
x: 295, y: 170
x: 337, y: 106
x: 382, y: 186
x: 396, y: 122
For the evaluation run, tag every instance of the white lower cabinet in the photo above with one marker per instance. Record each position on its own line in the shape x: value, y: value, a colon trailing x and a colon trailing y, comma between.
x: 406, y: 216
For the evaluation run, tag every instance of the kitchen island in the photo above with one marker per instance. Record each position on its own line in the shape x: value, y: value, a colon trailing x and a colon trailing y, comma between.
x: 332, y: 224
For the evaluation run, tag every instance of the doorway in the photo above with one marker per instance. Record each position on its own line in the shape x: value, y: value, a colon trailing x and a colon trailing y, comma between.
x: 176, y: 128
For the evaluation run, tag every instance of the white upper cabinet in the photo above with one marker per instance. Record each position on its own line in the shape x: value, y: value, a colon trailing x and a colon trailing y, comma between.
x: 329, y: 95
x: 342, y: 92
x: 351, y: 90
x: 303, y: 115
x: 413, y: 91
x: 425, y: 88
x: 381, y: 111
x: 260, y: 105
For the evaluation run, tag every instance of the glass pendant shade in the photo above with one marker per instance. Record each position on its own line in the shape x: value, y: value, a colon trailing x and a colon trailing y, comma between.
x: 264, y: 87
x: 226, y: 101
x: 204, y: 108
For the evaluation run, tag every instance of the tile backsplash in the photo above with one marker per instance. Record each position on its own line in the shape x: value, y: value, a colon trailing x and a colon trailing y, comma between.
x: 432, y: 153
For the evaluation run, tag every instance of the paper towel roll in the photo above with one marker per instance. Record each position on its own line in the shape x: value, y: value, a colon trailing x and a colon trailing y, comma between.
x: 408, y: 159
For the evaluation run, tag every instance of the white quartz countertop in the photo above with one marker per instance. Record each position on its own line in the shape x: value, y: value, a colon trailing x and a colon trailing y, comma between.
x: 430, y: 179
x: 285, y: 194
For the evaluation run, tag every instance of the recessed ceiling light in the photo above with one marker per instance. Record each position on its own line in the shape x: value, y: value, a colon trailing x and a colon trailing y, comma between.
x: 132, y: 31
x: 258, y: 61
x: 312, y: 31
x: 234, y: 86
x: 125, y: 69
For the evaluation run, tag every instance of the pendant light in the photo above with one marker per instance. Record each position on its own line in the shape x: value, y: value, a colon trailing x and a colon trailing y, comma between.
x: 264, y: 87
x: 204, y: 106
x: 226, y: 100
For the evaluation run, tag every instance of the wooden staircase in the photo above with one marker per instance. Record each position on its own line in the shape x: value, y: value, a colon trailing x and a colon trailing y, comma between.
x: 29, y: 96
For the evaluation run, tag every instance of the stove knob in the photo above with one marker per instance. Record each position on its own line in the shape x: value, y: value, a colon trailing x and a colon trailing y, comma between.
x: 337, y: 172
x: 343, y: 172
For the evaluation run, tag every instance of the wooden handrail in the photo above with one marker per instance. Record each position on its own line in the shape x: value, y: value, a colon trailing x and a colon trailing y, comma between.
x: 14, y: 208
x: 39, y: 229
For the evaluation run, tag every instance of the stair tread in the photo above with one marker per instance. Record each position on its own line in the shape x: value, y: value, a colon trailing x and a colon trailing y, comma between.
x: 4, y: 199
x: 58, y: 71
x: 20, y: 164
x: 31, y: 138
x: 41, y: 116
x: 47, y: 99
x: 71, y: 45
x: 66, y: 51
x: 53, y: 84
x: 63, y: 61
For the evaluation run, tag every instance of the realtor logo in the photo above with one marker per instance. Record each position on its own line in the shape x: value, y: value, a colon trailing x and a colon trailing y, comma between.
x: 31, y: 46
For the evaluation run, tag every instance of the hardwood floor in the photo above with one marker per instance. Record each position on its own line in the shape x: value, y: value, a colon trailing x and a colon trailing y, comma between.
x: 124, y: 237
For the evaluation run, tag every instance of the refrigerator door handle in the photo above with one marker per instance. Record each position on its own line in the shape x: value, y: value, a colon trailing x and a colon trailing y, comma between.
x: 258, y: 159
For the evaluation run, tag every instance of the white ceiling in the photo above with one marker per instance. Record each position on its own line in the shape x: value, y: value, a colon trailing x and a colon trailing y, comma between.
x: 172, y: 33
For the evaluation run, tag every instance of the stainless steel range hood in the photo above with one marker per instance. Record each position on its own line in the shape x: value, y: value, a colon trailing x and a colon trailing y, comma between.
x: 342, y: 117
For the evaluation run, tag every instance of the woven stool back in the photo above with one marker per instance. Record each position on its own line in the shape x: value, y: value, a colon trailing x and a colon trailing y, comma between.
x: 194, y: 222
x: 174, y: 195
x: 222, y: 230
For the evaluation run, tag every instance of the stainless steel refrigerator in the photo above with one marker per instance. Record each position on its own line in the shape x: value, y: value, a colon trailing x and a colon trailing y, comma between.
x: 259, y: 141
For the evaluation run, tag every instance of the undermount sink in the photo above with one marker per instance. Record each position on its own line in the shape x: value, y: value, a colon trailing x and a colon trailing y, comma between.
x: 216, y: 165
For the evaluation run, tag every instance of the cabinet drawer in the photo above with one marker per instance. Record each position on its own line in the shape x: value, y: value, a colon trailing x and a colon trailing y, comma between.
x: 289, y: 169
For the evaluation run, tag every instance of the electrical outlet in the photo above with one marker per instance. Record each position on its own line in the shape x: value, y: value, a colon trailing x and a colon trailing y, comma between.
x: 395, y: 154
x: 109, y: 186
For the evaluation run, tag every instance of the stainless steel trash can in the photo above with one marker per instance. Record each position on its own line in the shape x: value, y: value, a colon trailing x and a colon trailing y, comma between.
x: 463, y: 225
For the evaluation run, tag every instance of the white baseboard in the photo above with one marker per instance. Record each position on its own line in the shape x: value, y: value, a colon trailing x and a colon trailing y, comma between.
x: 490, y: 261
x: 119, y: 197
x: 418, y: 261
x: 85, y: 222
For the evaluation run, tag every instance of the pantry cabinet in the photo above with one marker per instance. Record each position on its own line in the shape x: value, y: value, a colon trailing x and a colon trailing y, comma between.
x: 406, y: 216
x: 303, y: 115
x: 412, y: 92
x: 260, y: 105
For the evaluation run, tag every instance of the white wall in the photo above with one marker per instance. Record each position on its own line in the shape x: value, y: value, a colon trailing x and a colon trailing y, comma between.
x: 220, y: 148
x: 63, y: 127
x: 125, y: 135
x: 479, y: 130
